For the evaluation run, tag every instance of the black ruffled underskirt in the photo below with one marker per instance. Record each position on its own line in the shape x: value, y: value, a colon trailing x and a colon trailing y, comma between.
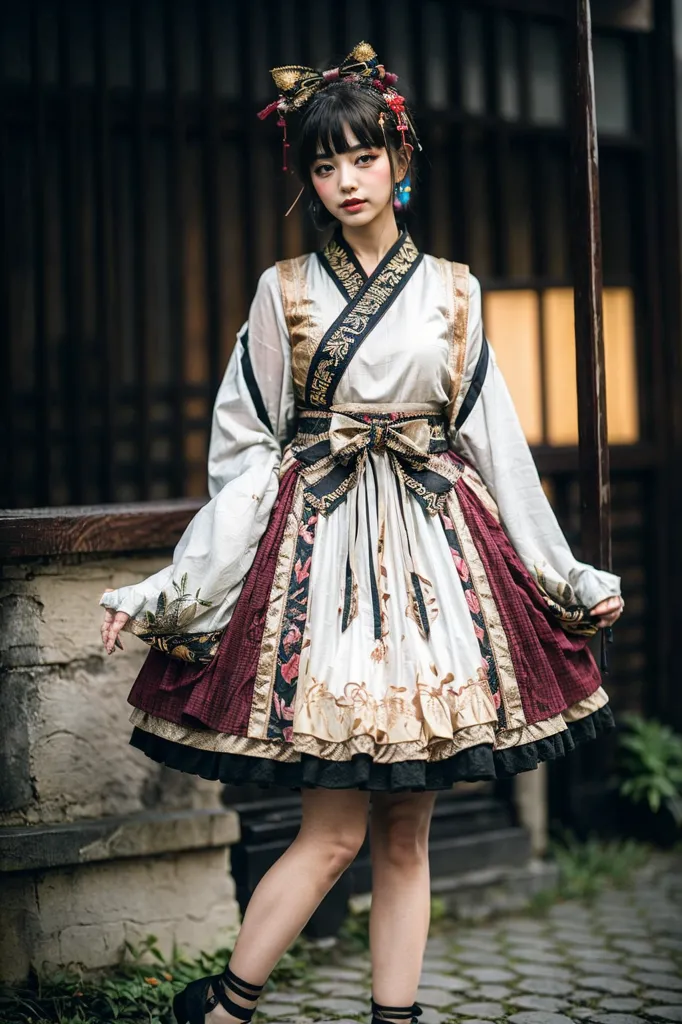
x: 471, y: 765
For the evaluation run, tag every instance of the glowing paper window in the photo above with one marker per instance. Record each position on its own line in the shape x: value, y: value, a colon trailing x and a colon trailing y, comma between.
x: 560, y: 386
x: 621, y: 368
x: 621, y: 372
x: 511, y: 320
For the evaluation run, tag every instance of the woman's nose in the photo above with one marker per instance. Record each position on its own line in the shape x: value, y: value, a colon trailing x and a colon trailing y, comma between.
x: 347, y: 181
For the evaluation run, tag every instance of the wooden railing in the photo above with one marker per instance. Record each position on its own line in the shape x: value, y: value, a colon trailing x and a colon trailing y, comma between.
x: 144, y: 526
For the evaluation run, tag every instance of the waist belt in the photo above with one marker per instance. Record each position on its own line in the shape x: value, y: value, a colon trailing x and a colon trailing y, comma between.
x: 332, y: 448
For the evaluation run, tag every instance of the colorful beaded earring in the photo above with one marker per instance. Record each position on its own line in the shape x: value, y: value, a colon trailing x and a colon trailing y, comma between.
x: 401, y: 193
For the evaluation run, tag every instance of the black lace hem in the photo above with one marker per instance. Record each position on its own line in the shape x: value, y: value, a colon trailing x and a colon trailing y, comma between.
x: 474, y: 764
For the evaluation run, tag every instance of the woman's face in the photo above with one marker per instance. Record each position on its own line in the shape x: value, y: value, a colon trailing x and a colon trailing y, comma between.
x: 354, y: 186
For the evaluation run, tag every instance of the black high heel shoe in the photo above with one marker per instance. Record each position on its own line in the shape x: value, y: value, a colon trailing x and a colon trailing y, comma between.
x: 192, y: 1004
x: 381, y: 1014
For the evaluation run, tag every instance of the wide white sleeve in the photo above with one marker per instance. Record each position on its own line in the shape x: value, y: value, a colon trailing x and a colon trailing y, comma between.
x: 253, y: 414
x: 492, y: 440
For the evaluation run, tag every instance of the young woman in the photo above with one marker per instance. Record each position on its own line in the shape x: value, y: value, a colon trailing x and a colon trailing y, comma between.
x: 377, y: 601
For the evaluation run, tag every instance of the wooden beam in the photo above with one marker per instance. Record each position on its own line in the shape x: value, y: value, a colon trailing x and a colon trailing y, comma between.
x: 587, y: 277
x: 90, y: 529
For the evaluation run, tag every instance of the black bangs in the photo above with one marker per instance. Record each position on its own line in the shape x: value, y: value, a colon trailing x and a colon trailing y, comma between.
x: 324, y: 121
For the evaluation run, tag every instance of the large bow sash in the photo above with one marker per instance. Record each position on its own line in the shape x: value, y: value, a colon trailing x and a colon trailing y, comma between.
x: 332, y: 450
x: 409, y: 439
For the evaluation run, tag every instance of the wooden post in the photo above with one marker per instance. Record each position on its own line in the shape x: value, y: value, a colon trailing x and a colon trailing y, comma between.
x: 587, y: 278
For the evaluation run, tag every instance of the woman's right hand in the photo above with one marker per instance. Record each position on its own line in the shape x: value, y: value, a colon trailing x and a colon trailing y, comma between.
x: 112, y: 626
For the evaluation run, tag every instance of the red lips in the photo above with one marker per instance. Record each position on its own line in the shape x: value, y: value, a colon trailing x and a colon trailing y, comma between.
x: 353, y: 202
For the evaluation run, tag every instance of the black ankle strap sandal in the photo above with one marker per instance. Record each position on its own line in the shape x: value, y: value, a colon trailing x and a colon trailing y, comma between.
x: 192, y: 1004
x: 381, y: 1014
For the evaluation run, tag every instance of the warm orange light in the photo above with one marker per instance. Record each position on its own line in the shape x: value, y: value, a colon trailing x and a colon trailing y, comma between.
x: 621, y: 369
x: 562, y: 402
x: 511, y: 323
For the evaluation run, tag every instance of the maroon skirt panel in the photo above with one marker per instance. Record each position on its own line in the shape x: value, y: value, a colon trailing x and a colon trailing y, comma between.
x: 554, y: 669
x: 219, y: 694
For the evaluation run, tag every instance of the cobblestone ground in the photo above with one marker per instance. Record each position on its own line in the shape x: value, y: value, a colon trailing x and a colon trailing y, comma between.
x: 617, y: 960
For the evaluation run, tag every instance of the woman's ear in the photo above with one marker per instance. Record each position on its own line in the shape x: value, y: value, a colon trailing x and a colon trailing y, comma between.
x: 402, y: 159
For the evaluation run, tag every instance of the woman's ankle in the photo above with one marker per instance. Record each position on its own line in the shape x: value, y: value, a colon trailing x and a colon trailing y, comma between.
x: 392, y: 1014
x: 237, y: 999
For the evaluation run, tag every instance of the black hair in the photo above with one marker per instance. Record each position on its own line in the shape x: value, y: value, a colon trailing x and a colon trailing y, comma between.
x: 323, y: 121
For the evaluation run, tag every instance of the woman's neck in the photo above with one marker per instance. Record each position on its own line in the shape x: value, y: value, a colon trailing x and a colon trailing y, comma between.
x: 371, y: 242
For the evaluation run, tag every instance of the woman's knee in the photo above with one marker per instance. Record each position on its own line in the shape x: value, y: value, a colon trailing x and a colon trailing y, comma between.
x: 400, y: 832
x: 343, y: 847
x: 336, y: 848
x: 338, y: 835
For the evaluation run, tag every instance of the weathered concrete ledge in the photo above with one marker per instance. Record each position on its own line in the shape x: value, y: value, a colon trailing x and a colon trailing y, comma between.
x: 149, y: 833
x: 99, y: 845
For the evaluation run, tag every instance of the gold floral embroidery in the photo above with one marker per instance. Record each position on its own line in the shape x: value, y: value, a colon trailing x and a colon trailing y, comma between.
x: 401, y: 714
x: 304, y: 330
x: 344, y: 268
x: 573, y: 617
x: 380, y: 651
x: 460, y: 286
x: 431, y: 749
x: 167, y: 628
x: 278, y: 750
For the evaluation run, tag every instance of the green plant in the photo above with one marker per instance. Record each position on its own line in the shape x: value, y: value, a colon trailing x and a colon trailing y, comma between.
x: 586, y: 868
x: 139, y: 990
x: 650, y: 762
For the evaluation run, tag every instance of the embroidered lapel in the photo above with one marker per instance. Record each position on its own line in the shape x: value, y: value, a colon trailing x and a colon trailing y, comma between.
x: 360, y: 316
x: 342, y: 265
x: 457, y: 284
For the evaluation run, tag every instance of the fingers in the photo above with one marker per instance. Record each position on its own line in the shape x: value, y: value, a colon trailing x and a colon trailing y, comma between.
x: 120, y: 619
x: 106, y: 623
x: 111, y: 627
x: 607, y: 612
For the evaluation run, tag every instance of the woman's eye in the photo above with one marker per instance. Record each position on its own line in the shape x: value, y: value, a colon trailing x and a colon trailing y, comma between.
x: 323, y: 168
x: 368, y: 157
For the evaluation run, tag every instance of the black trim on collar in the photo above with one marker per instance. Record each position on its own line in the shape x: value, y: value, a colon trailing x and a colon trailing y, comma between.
x: 338, y: 251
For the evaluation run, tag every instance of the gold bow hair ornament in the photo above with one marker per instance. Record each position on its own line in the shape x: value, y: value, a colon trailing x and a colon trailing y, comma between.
x: 297, y: 84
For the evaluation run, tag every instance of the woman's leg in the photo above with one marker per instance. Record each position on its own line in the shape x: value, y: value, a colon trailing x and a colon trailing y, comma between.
x: 332, y: 831
x: 401, y: 897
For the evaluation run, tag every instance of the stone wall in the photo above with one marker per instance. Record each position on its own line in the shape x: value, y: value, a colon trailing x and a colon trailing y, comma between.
x: 98, y: 844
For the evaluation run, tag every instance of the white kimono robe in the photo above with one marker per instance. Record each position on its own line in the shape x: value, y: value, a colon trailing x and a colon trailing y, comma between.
x: 402, y: 626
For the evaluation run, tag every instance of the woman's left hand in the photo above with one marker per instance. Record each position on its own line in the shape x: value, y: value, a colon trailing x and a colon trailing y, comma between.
x: 606, y: 612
